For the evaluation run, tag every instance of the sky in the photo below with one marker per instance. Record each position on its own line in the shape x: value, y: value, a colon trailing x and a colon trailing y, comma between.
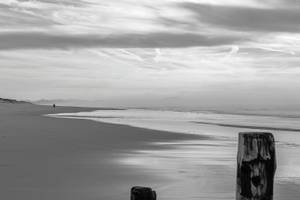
x: 152, y: 53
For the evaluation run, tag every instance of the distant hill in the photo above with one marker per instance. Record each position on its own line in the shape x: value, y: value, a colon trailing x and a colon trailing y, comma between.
x: 13, y: 101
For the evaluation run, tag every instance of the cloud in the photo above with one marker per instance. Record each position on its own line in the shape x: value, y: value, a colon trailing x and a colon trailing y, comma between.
x: 39, y: 40
x: 57, y: 2
x: 281, y: 3
x: 20, y: 18
x: 247, y: 18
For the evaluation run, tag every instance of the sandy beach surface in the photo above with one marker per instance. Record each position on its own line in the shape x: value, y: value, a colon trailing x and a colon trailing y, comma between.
x: 44, y: 158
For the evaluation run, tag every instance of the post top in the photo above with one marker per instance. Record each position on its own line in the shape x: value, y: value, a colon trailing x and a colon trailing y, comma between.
x: 141, y: 188
x: 255, y: 134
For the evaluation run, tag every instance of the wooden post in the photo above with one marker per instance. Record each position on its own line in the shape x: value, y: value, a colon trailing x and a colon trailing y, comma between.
x: 142, y: 193
x: 256, y: 165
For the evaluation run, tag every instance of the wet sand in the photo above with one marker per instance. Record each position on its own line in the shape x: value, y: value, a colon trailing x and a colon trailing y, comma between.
x: 44, y: 158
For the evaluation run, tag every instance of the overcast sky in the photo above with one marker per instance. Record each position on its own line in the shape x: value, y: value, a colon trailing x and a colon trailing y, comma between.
x: 152, y: 52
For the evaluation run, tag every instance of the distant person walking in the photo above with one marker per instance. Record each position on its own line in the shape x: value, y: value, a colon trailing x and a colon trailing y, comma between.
x: 54, y: 106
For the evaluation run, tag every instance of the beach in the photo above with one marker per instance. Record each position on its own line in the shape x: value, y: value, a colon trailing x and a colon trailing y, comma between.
x: 48, y: 158
x: 51, y: 158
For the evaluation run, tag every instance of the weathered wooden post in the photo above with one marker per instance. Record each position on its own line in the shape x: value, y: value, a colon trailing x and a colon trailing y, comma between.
x: 142, y: 193
x: 256, y: 165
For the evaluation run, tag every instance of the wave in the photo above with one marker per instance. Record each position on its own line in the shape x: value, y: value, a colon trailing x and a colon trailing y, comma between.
x: 250, y: 127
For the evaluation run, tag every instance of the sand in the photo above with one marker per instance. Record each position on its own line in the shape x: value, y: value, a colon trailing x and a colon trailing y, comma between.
x: 44, y: 158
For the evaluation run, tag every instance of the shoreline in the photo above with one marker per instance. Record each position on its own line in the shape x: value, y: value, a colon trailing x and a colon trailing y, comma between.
x: 198, y: 136
x: 249, y: 126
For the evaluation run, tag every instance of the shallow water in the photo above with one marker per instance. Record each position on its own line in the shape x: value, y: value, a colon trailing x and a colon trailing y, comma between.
x: 205, y: 169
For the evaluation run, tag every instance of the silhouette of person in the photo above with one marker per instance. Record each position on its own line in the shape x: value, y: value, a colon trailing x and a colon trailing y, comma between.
x: 53, y: 105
